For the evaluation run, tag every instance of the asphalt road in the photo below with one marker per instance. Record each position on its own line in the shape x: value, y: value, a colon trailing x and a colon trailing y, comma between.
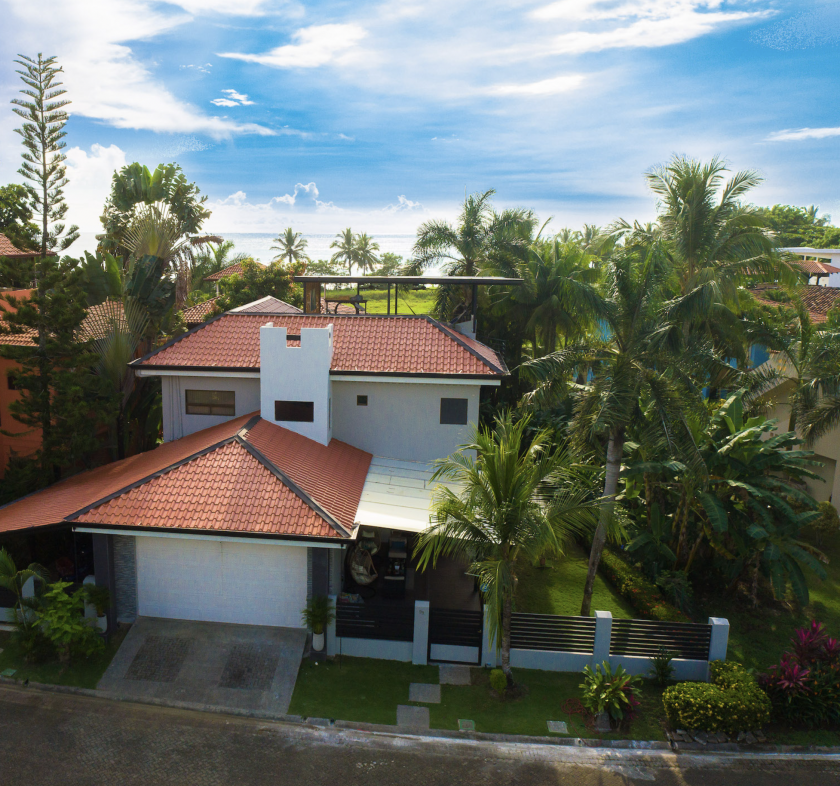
x: 49, y: 738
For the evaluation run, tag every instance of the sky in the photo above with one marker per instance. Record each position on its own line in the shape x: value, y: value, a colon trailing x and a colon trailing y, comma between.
x: 379, y: 116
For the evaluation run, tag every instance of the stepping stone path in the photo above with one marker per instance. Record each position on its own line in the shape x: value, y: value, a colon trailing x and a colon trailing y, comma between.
x: 466, y: 725
x: 412, y: 717
x: 558, y: 727
x: 424, y: 693
x: 451, y: 674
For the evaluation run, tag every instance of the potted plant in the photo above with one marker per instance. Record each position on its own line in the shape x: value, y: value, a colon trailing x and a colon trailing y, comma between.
x: 100, y: 599
x: 317, y: 615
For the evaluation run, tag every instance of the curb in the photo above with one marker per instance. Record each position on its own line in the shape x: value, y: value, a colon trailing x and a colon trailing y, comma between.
x: 437, y: 734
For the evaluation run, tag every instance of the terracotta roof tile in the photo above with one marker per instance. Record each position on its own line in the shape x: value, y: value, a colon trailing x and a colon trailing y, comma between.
x: 395, y: 345
x: 230, y: 270
x: 8, y: 249
x: 268, y: 305
x: 815, y: 268
x: 195, y: 315
x: 96, y: 324
x: 212, y: 481
x: 818, y: 300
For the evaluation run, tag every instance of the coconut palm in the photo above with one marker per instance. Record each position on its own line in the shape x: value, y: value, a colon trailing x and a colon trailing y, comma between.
x: 213, y: 258
x: 515, y: 499
x: 483, y: 241
x: 366, y: 249
x: 292, y: 246
x: 634, y: 358
x: 345, y: 243
x: 13, y: 579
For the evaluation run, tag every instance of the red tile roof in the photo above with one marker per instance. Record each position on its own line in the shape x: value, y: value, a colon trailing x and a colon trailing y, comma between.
x: 363, y: 345
x: 230, y: 270
x: 263, y: 481
x: 268, y: 305
x: 195, y: 315
x: 815, y: 268
x: 96, y: 324
x: 8, y: 249
x: 818, y: 300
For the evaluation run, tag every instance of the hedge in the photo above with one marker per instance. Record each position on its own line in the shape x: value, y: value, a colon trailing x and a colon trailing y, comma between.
x: 731, y: 703
x: 643, y: 595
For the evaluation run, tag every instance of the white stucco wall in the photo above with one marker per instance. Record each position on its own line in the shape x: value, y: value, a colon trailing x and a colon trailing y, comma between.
x: 401, y: 420
x: 177, y: 424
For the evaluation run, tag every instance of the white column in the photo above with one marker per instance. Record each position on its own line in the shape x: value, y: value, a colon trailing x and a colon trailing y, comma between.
x: 332, y: 644
x: 420, y: 650
x: 720, y: 639
x: 603, y: 634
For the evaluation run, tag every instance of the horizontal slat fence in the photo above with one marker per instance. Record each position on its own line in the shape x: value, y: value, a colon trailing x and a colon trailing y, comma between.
x: 644, y: 638
x: 455, y: 627
x: 552, y: 633
x: 361, y: 621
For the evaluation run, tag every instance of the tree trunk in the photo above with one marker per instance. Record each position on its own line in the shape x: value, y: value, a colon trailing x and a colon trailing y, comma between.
x: 615, y: 448
x: 506, y: 614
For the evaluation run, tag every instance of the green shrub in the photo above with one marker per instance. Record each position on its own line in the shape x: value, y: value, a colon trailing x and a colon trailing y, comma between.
x: 661, y: 670
x: 643, y: 595
x: 609, y: 691
x: 60, y: 618
x: 732, y: 702
x: 498, y: 681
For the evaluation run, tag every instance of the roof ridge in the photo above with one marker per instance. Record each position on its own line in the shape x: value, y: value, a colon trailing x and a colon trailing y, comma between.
x: 453, y: 334
x: 304, y: 496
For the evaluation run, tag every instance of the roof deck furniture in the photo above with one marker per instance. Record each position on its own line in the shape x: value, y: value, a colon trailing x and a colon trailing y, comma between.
x: 356, y: 301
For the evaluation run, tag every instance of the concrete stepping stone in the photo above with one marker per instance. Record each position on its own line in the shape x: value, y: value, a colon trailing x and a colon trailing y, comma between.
x: 558, y: 727
x: 466, y: 725
x: 451, y: 674
x: 424, y: 693
x: 412, y: 717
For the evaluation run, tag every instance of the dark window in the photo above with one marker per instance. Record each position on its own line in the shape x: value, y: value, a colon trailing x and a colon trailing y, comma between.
x: 10, y: 381
x: 361, y: 401
x: 453, y: 411
x: 210, y: 402
x: 298, y: 411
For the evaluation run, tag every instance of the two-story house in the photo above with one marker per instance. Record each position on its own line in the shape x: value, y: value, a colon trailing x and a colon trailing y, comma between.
x: 287, y: 439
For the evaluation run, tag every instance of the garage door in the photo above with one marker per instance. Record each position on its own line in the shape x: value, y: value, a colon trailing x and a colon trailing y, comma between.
x: 256, y: 584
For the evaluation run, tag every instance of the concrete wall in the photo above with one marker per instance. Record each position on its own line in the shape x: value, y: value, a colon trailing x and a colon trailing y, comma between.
x: 401, y: 420
x: 291, y: 373
x: 177, y: 424
x: 374, y: 648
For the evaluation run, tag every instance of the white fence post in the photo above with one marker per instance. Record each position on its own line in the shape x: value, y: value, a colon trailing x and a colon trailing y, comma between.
x: 332, y: 644
x: 720, y: 639
x: 420, y: 647
x: 603, y: 634
x: 488, y: 644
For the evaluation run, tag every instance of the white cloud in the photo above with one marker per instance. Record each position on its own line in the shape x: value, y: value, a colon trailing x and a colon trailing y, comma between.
x: 104, y: 78
x: 224, y: 102
x: 545, y: 87
x: 89, y: 175
x: 314, y: 46
x: 797, y: 134
x: 233, y: 99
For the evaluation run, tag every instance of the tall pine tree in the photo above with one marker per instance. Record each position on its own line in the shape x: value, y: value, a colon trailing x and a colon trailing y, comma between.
x: 56, y: 377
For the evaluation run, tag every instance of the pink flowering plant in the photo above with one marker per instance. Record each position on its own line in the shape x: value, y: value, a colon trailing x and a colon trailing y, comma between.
x: 804, y: 687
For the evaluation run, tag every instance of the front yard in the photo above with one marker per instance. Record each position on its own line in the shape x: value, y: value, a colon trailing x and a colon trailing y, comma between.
x: 80, y: 673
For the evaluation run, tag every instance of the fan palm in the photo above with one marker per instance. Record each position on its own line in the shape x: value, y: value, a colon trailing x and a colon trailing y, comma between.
x: 366, y: 249
x: 13, y: 579
x: 292, y: 246
x: 634, y: 359
x: 345, y: 243
x: 515, y: 499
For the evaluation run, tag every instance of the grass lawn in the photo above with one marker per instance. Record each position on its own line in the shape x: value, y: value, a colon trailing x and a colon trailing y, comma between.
x: 559, y: 589
x: 366, y: 690
x: 81, y: 673
x: 757, y: 637
x: 415, y: 302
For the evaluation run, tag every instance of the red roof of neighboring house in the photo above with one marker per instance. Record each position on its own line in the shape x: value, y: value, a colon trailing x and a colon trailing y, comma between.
x: 268, y: 305
x: 815, y: 268
x: 230, y: 270
x: 818, y: 300
x: 245, y: 476
x: 96, y: 324
x: 10, y: 250
x: 398, y: 345
x: 195, y: 315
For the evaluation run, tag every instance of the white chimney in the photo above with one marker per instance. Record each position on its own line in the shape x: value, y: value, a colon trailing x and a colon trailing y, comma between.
x: 295, y: 380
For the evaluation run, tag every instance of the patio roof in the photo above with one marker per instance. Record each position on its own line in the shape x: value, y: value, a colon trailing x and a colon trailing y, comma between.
x: 398, y: 495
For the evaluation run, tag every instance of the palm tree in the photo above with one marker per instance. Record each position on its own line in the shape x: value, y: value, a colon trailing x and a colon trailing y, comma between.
x: 635, y: 357
x: 366, y: 249
x: 515, y: 499
x: 292, y: 246
x: 13, y: 579
x: 483, y: 241
x: 213, y: 258
x: 345, y: 242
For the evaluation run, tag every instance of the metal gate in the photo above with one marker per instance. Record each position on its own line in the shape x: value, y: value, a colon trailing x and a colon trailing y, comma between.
x: 455, y: 636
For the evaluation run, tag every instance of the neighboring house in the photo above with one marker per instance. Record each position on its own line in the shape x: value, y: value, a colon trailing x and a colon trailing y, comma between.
x: 231, y: 270
x: 288, y: 437
x: 817, y: 299
x: 815, y: 262
x: 195, y: 315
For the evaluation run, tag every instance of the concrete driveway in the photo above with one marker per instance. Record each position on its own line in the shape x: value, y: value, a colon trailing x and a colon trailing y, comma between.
x: 233, y: 666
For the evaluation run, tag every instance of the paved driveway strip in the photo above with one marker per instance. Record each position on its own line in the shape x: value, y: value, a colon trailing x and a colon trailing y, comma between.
x: 50, y: 738
x: 230, y: 666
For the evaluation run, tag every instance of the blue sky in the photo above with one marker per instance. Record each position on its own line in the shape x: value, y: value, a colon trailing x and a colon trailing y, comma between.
x: 381, y: 115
